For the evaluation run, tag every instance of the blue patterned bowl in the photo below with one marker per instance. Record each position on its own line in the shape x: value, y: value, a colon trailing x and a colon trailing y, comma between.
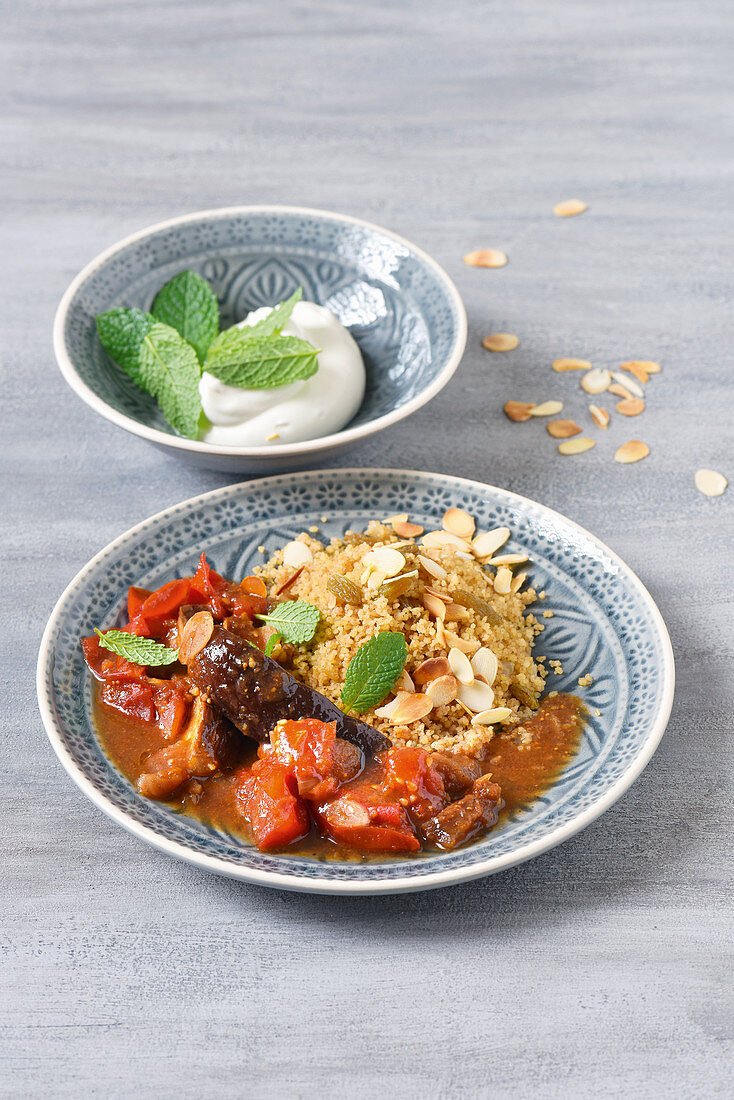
x: 604, y: 623
x: 400, y: 306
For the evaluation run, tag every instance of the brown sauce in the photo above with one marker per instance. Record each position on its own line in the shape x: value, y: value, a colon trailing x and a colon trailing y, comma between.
x: 524, y: 761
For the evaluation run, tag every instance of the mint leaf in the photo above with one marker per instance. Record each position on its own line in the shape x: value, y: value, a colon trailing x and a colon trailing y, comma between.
x: 275, y: 322
x: 121, y: 332
x: 170, y: 371
x: 188, y: 304
x: 141, y: 651
x: 374, y: 671
x: 271, y: 644
x: 264, y: 363
x: 295, y: 620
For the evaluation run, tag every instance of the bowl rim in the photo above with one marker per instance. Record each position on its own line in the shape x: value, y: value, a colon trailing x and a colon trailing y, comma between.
x: 283, y: 450
x: 406, y: 884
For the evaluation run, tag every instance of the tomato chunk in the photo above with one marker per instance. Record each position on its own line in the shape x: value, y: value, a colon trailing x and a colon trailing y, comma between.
x: 354, y: 818
x: 165, y: 602
x: 268, y: 797
x: 136, y: 597
x: 410, y: 778
x: 171, y: 707
x: 320, y: 761
x: 134, y: 700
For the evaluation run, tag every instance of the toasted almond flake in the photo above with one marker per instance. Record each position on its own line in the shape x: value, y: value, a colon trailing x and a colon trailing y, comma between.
x: 457, y: 613
x: 638, y: 370
x: 500, y: 341
x: 441, y: 635
x: 405, y: 682
x: 619, y: 391
x: 431, y: 669
x: 434, y: 606
x: 571, y: 364
x: 373, y: 578
x: 710, y: 483
x: 388, y: 709
x: 569, y: 208
x: 562, y: 429
x: 649, y: 366
x: 401, y: 517
x: 386, y: 560
x: 195, y: 635
x: 518, y: 410
x: 596, y: 380
x: 518, y: 582
x: 485, y: 664
x: 411, y: 709
x: 503, y: 580
x: 508, y: 559
x: 437, y: 592
x: 599, y: 416
x: 575, y: 446
x: 546, y: 408
x: 458, y: 522
x: 461, y: 666
x: 432, y: 567
x: 296, y: 554
x: 635, y: 389
x: 438, y: 540
x: 486, y: 257
x: 489, y: 717
x: 632, y: 406
x: 476, y: 697
x: 453, y: 641
x: 632, y: 451
x: 442, y: 690
x: 407, y: 530
x: 486, y: 544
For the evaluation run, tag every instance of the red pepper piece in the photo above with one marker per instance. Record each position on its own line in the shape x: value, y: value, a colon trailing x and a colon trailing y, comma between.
x: 133, y: 699
x: 410, y: 778
x: 269, y: 801
x: 136, y: 597
x: 320, y: 761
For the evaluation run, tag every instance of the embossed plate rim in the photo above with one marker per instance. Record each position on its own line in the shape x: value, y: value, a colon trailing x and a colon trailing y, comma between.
x: 290, y: 881
x: 347, y: 435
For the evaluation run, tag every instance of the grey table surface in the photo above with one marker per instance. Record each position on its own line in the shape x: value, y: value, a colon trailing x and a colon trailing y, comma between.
x: 602, y: 967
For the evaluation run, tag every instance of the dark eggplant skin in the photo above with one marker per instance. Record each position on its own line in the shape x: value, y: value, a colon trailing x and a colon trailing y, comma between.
x: 255, y: 693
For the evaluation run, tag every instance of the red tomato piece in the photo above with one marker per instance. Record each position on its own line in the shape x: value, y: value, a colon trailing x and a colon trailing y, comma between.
x: 105, y: 665
x: 136, y: 597
x: 321, y: 762
x: 208, y: 587
x: 134, y: 700
x: 269, y: 800
x: 355, y: 819
x: 171, y: 707
x: 411, y: 779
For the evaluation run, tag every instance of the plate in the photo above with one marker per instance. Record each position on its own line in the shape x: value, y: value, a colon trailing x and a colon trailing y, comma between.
x: 604, y: 623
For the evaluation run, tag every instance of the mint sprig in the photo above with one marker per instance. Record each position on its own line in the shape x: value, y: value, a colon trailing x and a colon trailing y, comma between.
x: 170, y: 372
x: 121, y: 332
x: 141, y: 651
x: 374, y: 671
x: 262, y: 364
x: 188, y: 304
x: 275, y: 322
x: 295, y: 621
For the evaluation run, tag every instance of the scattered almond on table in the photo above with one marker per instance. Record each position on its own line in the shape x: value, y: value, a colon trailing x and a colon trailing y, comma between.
x: 569, y: 208
x: 631, y: 406
x: 546, y: 408
x: 486, y: 257
x: 599, y: 416
x: 571, y: 364
x: 632, y: 451
x: 576, y: 446
x: 710, y: 483
x: 500, y: 341
x: 518, y: 410
x: 563, y: 429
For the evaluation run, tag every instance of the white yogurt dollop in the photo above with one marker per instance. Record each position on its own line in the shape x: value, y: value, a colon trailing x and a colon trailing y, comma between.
x: 298, y: 411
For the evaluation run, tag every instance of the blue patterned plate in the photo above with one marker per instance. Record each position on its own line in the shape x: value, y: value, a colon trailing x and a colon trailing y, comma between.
x: 604, y: 623
x: 400, y: 306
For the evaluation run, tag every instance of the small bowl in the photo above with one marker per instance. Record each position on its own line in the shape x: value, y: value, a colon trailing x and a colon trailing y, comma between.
x: 400, y: 306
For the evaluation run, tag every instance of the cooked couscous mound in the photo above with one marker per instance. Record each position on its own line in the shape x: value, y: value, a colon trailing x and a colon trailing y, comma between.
x: 429, y: 601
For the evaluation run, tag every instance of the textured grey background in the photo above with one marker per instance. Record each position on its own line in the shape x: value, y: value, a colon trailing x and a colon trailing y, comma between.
x: 603, y: 966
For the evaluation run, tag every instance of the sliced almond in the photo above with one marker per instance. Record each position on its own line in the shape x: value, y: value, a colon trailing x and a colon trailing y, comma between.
x: 458, y: 522
x: 518, y: 582
x: 434, y: 606
x: 389, y: 709
x: 632, y: 406
x: 441, y: 635
x: 576, y: 446
x: 442, y: 690
x: 508, y: 559
x: 599, y: 416
x: 296, y: 554
x: 407, y: 530
x: 571, y: 364
x: 437, y: 592
x: 476, y: 697
x: 431, y: 669
x: 405, y: 683
x: 485, y: 545
x: 485, y: 664
x: 518, y: 410
x: 503, y: 580
x: 385, y: 560
x: 457, y: 613
x: 631, y: 452
x: 569, y: 208
x: 638, y: 370
x: 500, y: 341
x: 195, y: 635
x: 461, y: 666
x: 489, y: 717
x: 596, y: 380
x: 562, y: 429
x: 710, y: 483
x: 486, y: 257
x: 620, y: 391
x: 546, y: 408
x: 453, y: 641
x: 411, y: 709
x: 635, y: 389
x: 432, y: 567
x: 649, y: 366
